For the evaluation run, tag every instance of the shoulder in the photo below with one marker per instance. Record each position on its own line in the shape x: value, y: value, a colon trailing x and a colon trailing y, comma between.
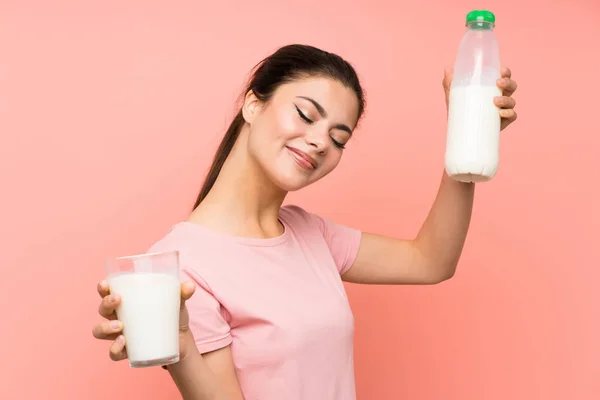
x: 292, y: 211
x: 342, y: 241
x: 298, y: 217
x: 197, y: 247
x: 179, y: 237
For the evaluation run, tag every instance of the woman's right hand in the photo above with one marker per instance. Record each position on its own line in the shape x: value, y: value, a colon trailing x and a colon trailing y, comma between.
x: 112, y: 328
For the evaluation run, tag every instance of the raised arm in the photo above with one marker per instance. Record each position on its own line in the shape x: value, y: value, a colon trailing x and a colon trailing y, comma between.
x: 432, y: 256
x: 429, y: 258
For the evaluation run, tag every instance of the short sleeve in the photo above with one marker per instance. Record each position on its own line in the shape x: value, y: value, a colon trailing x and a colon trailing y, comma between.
x: 343, y: 242
x: 207, y: 316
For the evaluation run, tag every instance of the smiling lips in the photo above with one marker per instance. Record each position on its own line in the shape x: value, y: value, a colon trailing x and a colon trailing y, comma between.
x: 302, y: 159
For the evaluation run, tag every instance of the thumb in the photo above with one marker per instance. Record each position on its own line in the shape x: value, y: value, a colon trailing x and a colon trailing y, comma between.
x: 448, y: 72
x: 187, y: 290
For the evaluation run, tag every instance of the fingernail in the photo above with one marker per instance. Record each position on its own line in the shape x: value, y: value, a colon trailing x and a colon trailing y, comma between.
x: 113, y: 298
x: 115, y: 324
x: 121, y: 339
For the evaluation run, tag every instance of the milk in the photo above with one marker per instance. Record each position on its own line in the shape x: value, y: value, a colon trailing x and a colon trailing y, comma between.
x: 149, y: 311
x: 473, y: 131
x: 473, y: 136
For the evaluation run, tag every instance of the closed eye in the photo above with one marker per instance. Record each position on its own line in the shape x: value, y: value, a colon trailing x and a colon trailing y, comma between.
x: 338, y: 144
x: 303, y: 116
x: 309, y: 121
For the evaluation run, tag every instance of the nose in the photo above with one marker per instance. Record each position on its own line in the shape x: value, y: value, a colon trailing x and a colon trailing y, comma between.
x: 317, y: 139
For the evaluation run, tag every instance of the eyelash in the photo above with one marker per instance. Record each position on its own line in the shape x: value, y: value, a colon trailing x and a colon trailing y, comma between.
x: 310, y: 122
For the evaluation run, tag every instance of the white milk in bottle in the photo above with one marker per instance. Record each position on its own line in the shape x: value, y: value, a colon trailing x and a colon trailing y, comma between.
x: 473, y: 136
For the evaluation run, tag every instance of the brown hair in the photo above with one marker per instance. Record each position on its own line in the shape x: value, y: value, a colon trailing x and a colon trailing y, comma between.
x: 286, y: 64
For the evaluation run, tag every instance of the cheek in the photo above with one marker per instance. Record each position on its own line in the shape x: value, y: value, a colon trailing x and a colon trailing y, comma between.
x: 287, y: 126
x: 271, y: 133
x: 331, y: 162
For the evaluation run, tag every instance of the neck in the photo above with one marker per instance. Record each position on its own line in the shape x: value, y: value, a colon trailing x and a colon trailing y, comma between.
x: 243, y: 201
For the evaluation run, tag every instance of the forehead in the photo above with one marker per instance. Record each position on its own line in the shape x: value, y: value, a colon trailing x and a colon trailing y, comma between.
x: 339, y: 101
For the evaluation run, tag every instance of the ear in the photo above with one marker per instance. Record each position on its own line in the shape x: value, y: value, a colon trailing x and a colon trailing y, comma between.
x: 252, y: 106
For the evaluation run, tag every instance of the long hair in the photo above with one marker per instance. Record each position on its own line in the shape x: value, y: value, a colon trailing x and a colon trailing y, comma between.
x: 286, y: 64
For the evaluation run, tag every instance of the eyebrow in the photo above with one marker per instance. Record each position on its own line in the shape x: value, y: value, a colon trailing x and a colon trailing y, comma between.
x: 323, y: 114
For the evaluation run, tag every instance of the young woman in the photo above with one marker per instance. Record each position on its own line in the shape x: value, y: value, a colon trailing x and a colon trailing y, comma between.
x: 265, y: 313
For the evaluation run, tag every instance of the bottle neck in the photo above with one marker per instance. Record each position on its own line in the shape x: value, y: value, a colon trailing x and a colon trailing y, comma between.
x: 480, y: 25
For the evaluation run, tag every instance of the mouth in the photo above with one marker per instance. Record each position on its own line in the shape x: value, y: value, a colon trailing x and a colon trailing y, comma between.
x: 302, y: 159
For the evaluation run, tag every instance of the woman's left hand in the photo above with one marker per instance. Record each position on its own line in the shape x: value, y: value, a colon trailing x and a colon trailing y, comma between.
x: 506, y: 102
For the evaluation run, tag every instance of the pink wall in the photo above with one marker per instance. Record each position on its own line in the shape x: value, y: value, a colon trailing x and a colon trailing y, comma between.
x: 109, y: 115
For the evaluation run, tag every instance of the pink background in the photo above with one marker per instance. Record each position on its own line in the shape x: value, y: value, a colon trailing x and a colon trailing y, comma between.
x: 109, y: 114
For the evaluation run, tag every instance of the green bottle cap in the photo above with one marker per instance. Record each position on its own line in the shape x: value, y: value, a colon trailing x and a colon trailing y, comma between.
x: 481, y: 16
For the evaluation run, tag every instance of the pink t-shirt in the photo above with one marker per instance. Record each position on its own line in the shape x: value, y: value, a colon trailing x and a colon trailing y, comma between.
x: 279, y: 302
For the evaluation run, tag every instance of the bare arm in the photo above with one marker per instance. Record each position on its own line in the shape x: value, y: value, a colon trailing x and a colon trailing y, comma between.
x: 210, y: 376
x: 432, y: 256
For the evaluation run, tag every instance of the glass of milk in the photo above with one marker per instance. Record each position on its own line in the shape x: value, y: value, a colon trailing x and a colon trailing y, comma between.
x: 150, y: 293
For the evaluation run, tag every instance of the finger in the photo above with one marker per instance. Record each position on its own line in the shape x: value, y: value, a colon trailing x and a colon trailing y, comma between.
x: 506, y: 72
x: 505, y: 102
x: 117, y: 349
x: 187, y: 290
x: 108, y: 330
x: 448, y: 72
x: 507, y: 85
x: 508, y: 114
x: 103, y: 289
x: 108, y: 306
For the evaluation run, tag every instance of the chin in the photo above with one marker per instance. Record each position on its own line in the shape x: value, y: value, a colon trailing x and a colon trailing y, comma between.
x: 291, y: 185
x: 292, y: 181
x: 286, y: 175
